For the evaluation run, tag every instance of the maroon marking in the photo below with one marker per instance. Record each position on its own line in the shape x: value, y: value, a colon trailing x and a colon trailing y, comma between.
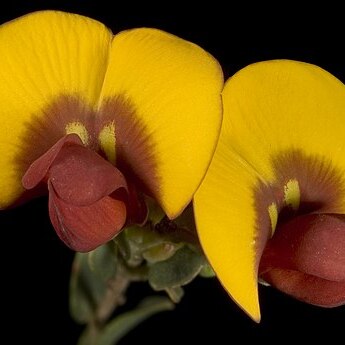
x: 44, y: 130
x: 134, y: 147
x: 322, y: 187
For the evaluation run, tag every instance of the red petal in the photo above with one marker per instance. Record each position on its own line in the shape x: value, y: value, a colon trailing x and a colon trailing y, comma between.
x: 85, y: 228
x: 39, y: 168
x: 313, y: 244
x: 306, y: 259
x: 307, y: 288
x: 81, y: 177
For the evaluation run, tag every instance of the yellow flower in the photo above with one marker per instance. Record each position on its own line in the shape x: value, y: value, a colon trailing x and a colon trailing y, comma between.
x: 279, y: 169
x: 100, y: 119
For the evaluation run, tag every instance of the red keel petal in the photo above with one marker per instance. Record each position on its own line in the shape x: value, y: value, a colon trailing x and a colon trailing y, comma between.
x: 307, y: 288
x: 38, y: 170
x: 87, y: 194
x: 313, y: 244
x: 84, y: 228
x: 306, y: 259
x: 81, y: 176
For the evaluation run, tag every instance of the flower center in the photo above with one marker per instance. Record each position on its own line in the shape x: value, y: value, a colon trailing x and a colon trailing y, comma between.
x: 86, y: 205
x: 80, y: 153
x: 304, y: 253
x: 303, y: 184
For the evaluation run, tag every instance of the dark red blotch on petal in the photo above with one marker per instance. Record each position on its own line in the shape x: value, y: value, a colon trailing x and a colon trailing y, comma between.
x: 85, y: 203
x: 306, y: 259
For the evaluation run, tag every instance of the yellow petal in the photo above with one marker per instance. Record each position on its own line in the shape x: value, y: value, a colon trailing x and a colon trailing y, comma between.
x: 282, y: 140
x: 171, y: 90
x: 44, y: 55
x: 279, y: 105
x: 225, y: 219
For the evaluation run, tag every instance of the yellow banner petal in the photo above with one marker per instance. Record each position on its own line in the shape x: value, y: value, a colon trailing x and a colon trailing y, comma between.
x: 44, y: 55
x: 226, y: 221
x: 165, y: 95
x: 281, y: 145
x: 281, y: 105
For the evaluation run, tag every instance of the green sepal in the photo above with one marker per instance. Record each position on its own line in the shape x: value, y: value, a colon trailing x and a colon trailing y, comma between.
x: 86, y: 290
x: 177, y: 271
x: 137, y: 244
x: 103, y: 261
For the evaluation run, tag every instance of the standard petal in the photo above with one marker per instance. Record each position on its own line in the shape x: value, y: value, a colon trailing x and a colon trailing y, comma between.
x: 44, y: 56
x: 84, y: 228
x: 226, y: 220
x: 278, y: 107
x: 163, y: 94
x: 281, y: 146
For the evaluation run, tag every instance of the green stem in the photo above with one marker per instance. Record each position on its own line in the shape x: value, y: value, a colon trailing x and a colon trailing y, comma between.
x: 114, y: 296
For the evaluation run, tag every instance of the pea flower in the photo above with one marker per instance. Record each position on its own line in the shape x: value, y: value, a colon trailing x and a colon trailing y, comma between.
x: 100, y: 120
x: 272, y: 205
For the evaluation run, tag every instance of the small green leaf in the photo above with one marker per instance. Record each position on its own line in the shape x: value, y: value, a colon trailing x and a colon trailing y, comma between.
x: 179, y: 270
x: 103, y: 261
x: 86, y: 290
x: 122, y: 324
x: 91, y: 297
x: 131, y: 242
x: 139, y: 243
x: 123, y: 246
x: 143, y: 238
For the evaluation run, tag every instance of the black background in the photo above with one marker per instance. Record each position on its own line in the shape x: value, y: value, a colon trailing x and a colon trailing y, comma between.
x: 36, y: 265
